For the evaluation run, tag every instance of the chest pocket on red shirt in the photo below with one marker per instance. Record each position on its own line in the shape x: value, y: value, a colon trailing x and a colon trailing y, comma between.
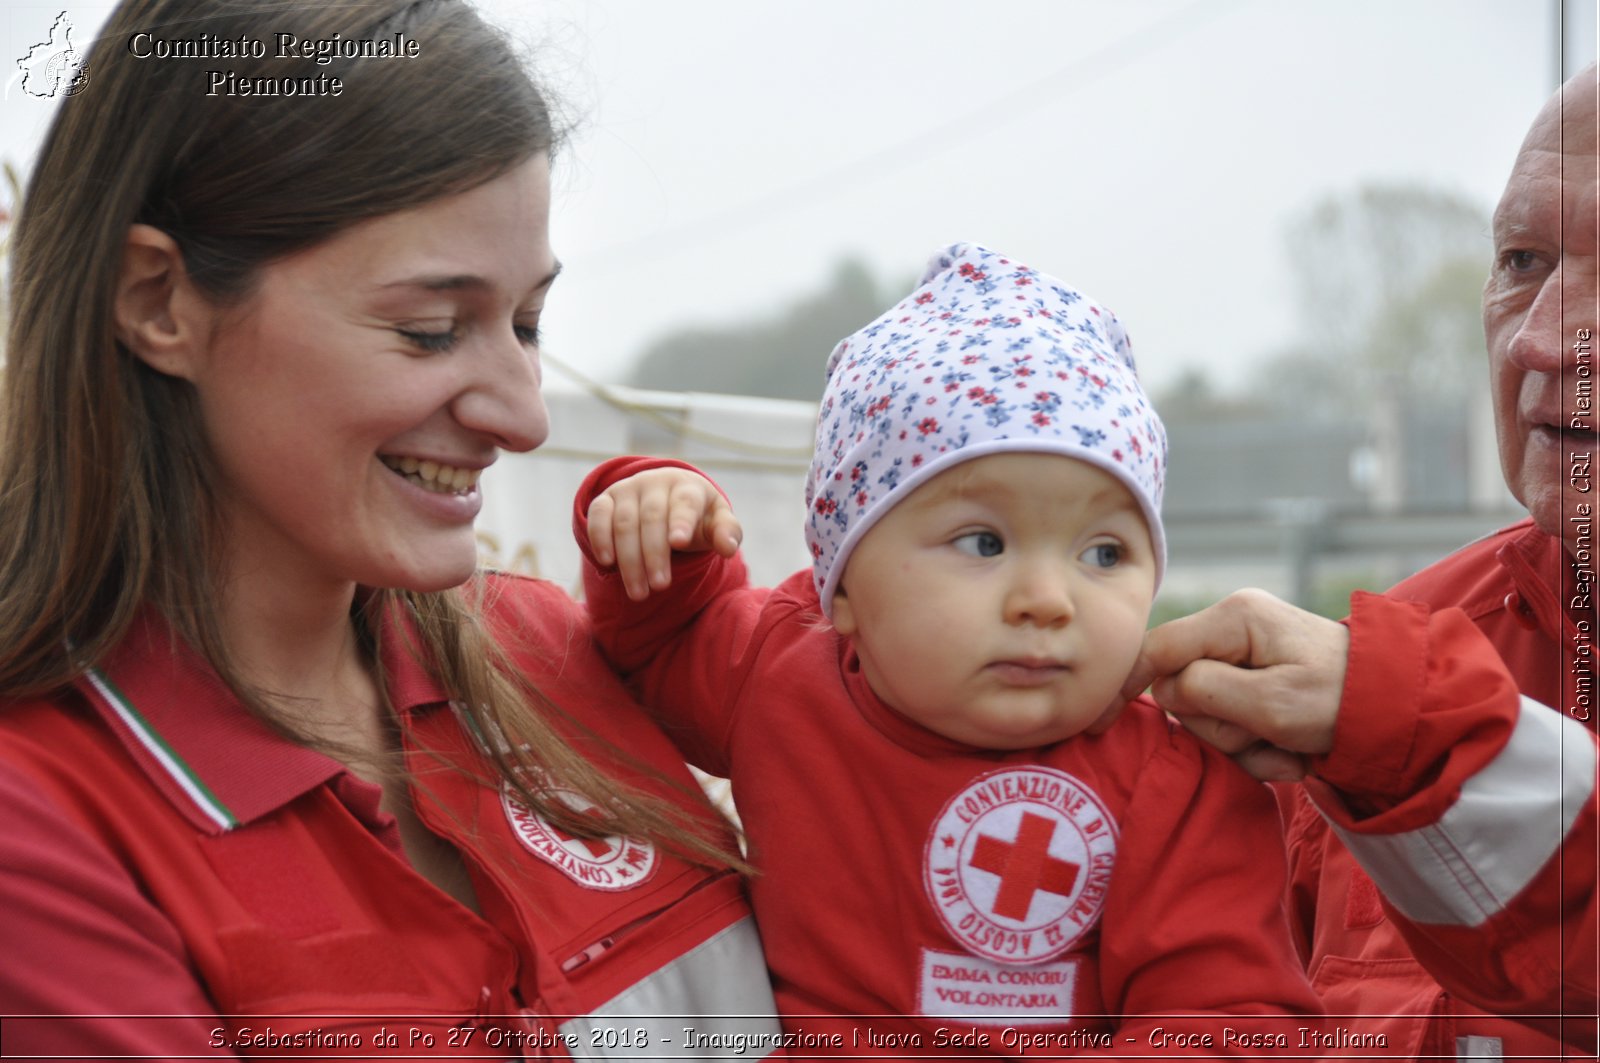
x: 313, y: 914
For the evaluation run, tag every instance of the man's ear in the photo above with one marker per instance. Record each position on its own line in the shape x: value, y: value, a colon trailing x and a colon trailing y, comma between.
x: 158, y: 314
x: 844, y: 618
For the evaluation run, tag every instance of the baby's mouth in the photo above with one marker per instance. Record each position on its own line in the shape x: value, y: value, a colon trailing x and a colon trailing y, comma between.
x: 432, y: 476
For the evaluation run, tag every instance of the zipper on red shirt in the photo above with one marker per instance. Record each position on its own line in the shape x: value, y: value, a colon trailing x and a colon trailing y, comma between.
x: 590, y: 953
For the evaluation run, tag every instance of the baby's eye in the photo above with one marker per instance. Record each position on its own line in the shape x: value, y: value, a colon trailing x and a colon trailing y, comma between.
x: 980, y: 544
x: 1102, y: 555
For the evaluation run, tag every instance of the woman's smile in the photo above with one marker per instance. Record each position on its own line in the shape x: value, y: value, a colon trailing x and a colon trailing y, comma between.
x: 433, y: 475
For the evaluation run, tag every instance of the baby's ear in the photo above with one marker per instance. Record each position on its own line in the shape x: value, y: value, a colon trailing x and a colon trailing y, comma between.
x: 844, y: 618
x: 159, y: 316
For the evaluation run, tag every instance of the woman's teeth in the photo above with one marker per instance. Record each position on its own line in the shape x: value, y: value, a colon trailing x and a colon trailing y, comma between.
x: 442, y: 479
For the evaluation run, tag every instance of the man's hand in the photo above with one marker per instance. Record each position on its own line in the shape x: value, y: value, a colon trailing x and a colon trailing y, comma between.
x: 1252, y: 675
x: 636, y: 523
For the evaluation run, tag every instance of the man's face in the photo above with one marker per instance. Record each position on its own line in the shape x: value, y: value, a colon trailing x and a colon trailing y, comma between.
x: 1540, y: 310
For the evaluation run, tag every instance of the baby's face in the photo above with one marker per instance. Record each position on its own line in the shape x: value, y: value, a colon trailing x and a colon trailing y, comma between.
x: 1003, y: 602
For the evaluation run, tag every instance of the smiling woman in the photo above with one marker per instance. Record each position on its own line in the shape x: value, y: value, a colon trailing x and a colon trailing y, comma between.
x: 344, y: 376
x: 270, y: 745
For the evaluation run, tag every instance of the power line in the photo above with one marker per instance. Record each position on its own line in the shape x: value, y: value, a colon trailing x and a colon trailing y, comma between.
x: 679, y: 426
x: 983, y: 119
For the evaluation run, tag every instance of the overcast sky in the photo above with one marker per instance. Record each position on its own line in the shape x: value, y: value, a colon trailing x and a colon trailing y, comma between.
x: 1150, y: 152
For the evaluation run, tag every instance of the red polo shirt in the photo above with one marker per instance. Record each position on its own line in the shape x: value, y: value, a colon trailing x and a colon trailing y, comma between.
x: 179, y: 879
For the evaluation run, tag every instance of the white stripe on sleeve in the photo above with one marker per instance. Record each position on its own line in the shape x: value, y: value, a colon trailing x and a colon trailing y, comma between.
x: 719, y: 989
x: 1509, y: 820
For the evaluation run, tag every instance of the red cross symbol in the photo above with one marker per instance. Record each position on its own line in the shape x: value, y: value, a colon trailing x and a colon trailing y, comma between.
x: 1025, y: 866
x: 597, y: 848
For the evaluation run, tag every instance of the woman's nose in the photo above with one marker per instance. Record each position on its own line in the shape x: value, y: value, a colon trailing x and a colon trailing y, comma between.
x: 503, y: 399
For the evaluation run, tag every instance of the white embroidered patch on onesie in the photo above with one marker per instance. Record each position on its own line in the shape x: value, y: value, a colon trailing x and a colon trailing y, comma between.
x: 1017, y: 864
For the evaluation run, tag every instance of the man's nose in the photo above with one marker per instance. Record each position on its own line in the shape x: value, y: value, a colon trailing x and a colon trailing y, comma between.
x: 1550, y: 338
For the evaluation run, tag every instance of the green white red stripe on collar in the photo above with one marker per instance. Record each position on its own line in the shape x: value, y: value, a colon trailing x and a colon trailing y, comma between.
x: 174, y: 765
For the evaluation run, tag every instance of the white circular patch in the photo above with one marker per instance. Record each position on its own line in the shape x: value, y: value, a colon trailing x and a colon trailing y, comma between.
x: 1017, y: 863
x: 612, y: 863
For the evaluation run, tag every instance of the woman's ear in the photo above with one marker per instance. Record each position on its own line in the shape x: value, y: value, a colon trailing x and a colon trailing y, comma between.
x: 158, y: 314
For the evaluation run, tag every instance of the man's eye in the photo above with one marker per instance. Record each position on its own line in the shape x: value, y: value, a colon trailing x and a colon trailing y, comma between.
x: 980, y: 544
x: 1102, y: 555
x: 1519, y: 261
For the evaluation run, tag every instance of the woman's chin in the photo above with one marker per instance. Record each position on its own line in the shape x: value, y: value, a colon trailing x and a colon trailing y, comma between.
x: 434, y: 575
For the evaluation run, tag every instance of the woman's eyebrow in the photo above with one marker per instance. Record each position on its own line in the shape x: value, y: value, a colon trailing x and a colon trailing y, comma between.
x: 443, y: 282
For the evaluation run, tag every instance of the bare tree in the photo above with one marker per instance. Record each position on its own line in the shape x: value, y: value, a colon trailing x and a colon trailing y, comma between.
x: 1388, y: 280
x: 780, y: 356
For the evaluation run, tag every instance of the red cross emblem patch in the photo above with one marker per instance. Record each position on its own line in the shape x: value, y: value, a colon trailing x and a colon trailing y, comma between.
x: 1017, y: 864
x: 612, y: 863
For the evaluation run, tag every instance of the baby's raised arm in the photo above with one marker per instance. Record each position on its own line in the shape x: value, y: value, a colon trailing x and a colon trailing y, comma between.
x: 668, y: 595
x: 636, y: 524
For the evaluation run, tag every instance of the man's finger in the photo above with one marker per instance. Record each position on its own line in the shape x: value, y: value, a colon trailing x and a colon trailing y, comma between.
x: 1271, y: 764
x: 1260, y: 758
x: 1225, y: 736
x: 1215, y: 633
x: 1288, y: 705
x: 1215, y: 690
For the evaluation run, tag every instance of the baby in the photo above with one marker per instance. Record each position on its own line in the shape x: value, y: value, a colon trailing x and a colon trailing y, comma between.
x: 953, y: 857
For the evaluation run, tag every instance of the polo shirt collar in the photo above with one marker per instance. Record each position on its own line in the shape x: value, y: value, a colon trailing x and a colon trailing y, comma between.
x: 218, y: 764
x: 1535, y: 562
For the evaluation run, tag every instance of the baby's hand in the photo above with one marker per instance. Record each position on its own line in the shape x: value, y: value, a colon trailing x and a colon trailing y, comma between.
x: 636, y: 523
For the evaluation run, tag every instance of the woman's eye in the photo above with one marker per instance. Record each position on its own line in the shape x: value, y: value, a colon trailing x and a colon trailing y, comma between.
x: 980, y: 544
x: 1103, y: 555
x: 528, y: 335
x: 432, y: 342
